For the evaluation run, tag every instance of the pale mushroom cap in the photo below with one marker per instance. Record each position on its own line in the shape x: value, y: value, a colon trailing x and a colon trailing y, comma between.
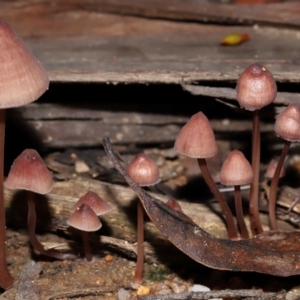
x: 272, y: 168
x: 196, y: 138
x: 96, y: 203
x: 22, y: 78
x: 256, y: 88
x: 143, y: 170
x: 85, y: 219
x: 287, y: 124
x: 236, y: 170
x: 29, y: 172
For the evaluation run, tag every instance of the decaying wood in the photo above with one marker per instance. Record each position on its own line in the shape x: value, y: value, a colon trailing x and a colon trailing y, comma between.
x: 120, y: 222
x: 228, y: 294
x: 285, y: 13
x: 279, y: 13
x: 282, y: 98
x: 118, y: 49
x: 60, y: 126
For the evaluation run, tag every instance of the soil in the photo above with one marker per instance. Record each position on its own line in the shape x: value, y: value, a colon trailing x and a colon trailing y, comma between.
x: 109, y: 275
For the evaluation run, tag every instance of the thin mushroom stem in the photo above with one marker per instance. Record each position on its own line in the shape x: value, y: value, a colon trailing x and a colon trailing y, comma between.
x: 274, y: 187
x: 254, y: 191
x: 232, y: 231
x: 31, y: 221
x: 6, y: 280
x: 86, y: 245
x: 239, y: 212
x: 138, y: 277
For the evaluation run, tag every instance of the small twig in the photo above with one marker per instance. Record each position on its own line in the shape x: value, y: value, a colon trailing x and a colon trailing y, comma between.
x: 80, y: 293
x: 205, y: 295
x: 273, y: 296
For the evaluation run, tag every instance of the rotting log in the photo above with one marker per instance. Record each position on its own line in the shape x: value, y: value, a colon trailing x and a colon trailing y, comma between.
x: 125, y: 49
x: 120, y: 221
x: 62, y: 126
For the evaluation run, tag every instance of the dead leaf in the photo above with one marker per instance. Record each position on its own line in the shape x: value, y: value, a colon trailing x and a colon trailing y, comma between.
x: 275, y: 253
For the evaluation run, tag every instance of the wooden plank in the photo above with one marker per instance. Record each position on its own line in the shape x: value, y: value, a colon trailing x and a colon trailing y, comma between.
x: 119, y: 221
x: 59, y: 126
x: 285, y: 13
x: 116, y: 49
x: 282, y: 98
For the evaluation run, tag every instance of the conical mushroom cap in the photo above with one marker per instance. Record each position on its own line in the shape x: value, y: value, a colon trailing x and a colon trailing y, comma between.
x: 85, y: 219
x: 272, y: 168
x: 196, y: 138
x: 143, y: 170
x: 29, y: 172
x: 95, y: 202
x: 256, y: 88
x: 236, y: 170
x: 22, y: 78
x: 287, y: 124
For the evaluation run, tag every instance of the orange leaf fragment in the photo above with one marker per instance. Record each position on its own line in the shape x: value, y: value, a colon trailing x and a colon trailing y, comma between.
x: 234, y: 39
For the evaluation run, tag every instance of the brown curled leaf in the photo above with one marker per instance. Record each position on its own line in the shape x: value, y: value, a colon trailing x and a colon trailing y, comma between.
x: 275, y: 253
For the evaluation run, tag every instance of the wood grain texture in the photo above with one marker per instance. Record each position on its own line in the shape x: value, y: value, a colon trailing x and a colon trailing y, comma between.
x: 78, y: 43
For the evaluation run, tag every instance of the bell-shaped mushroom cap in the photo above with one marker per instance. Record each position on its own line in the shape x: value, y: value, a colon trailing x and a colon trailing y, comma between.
x: 236, y: 170
x: 96, y: 203
x: 22, y: 78
x: 85, y: 219
x: 196, y: 138
x: 256, y: 88
x: 287, y: 124
x: 272, y: 168
x: 29, y: 172
x: 143, y: 170
x: 174, y: 204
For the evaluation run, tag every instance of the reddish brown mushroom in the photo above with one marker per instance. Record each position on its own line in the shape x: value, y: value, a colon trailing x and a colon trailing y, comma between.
x: 287, y: 126
x: 237, y: 171
x: 95, y: 202
x: 29, y: 172
x: 22, y: 80
x: 196, y: 139
x: 86, y: 220
x: 270, y: 172
x: 143, y: 170
x: 255, y: 89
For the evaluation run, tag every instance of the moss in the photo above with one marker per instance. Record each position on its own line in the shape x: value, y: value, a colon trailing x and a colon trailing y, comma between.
x: 156, y: 273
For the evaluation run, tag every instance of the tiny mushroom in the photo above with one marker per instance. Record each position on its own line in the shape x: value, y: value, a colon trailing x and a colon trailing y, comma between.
x: 237, y: 171
x: 143, y: 170
x: 23, y: 80
x: 95, y: 202
x: 255, y: 89
x: 287, y: 126
x: 196, y: 139
x: 86, y: 220
x: 29, y: 172
x: 272, y: 168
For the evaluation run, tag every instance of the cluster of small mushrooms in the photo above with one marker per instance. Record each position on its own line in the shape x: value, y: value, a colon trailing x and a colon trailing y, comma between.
x: 26, y: 80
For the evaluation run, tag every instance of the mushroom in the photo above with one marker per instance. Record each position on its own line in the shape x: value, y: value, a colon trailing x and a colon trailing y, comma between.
x: 196, y: 139
x: 29, y: 172
x: 143, y: 170
x: 86, y: 220
x: 22, y: 80
x: 272, y: 168
x: 237, y: 171
x: 255, y: 89
x: 96, y: 203
x: 287, y: 126
x: 174, y: 204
